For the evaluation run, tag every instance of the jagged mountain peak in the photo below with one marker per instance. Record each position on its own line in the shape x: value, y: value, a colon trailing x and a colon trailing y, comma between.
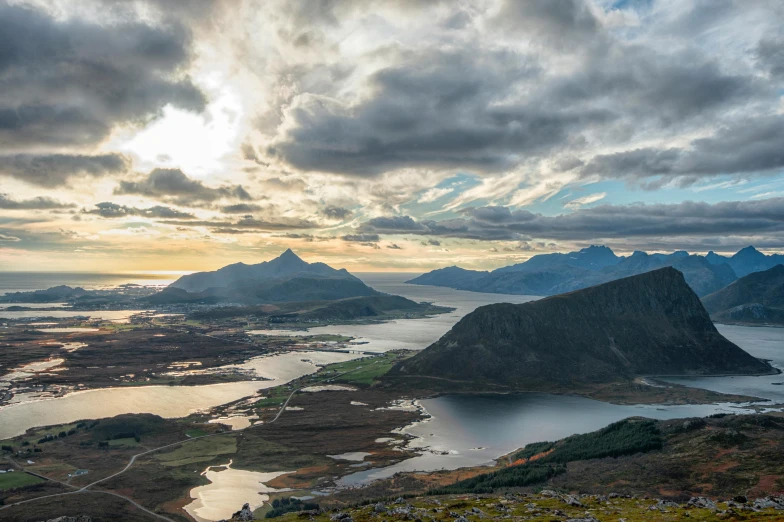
x: 285, y: 266
x: 749, y: 250
x: 289, y: 254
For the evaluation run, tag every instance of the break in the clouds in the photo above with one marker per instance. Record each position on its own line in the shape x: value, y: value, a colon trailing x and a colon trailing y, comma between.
x: 475, y: 130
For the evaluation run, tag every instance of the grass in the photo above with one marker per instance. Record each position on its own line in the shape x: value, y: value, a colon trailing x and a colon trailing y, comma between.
x: 37, y: 435
x: 363, y: 372
x: 259, y: 454
x: 202, y: 450
x: 195, y: 433
x: 538, y: 509
x: 626, y: 437
x: 17, y: 479
x: 123, y: 442
x: 273, y: 397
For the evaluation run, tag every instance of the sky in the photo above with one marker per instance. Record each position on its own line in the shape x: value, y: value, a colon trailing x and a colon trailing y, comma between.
x: 385, y: 135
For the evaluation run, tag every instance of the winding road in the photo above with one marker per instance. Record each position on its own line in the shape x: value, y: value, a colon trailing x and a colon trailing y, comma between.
x: 86, y: 489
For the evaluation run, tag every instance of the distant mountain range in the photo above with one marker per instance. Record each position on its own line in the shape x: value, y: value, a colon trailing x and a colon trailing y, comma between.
x: 757, y: 298
x: 287, y: 278
x: 551, y: 274
x: 649, y: 324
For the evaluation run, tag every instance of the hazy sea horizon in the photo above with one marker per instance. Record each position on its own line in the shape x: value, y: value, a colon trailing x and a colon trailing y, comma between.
x: 19, y: 281
x: 30, y: 281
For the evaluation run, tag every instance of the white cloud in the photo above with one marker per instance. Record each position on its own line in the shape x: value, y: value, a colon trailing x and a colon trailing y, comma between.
x: 585, y: 200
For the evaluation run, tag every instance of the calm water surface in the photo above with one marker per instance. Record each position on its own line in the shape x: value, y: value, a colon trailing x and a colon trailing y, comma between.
x: 29, y: 281
x: 474, y: 430
x: 471, y: 430
x: 166, y: 401
x: 414, y: 334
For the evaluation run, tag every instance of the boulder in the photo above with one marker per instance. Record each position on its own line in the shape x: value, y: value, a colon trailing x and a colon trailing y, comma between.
x: 701, y: 502
x: 769, y: 502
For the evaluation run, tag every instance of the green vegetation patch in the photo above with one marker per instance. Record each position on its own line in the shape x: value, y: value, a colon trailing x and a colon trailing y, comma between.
x: 17, y: 479
x: 130, y: 441
x: 627, y: 437
x: 511, y: 477
x: 363, y: 372
x: 258, y: 454
x: 281, y: 506
x: 273, y: 397
x: 202, y: 450
x: 127, y: 426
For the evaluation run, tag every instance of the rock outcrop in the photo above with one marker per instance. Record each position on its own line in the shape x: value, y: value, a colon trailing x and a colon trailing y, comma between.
x: 649, y: 324
x: 757, y: 298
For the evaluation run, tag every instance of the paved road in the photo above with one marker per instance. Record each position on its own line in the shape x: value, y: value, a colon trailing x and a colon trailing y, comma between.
x: 86, y: 489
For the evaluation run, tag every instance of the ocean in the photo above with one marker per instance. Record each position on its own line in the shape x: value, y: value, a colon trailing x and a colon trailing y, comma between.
x: 29, y: 281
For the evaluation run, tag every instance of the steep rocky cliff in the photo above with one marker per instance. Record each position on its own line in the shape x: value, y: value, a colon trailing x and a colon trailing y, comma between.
x: 648, y: 324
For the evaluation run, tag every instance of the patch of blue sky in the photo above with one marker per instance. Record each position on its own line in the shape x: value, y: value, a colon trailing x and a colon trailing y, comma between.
x: 434, y: 199
x: 616, y: 192
x: 637, y: 5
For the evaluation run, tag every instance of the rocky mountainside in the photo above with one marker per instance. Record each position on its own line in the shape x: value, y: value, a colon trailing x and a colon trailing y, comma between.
x: 552, y: 274
x: 595, y: 257
x: 700, y: 275
x: 648, y: 324
x: 286, y: 278
x: 50, y: 295
x: 285, y: 266
x: 451, y: 276
x: 756, y: 299
x: 747, y: 260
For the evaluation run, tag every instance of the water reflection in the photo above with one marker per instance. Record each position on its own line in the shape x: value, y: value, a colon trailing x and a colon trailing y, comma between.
x: 166, y: 401
x: 228, y: 490
x: 472, y: 430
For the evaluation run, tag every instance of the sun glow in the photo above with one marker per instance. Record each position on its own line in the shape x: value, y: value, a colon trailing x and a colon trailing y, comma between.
x: 195, y: 143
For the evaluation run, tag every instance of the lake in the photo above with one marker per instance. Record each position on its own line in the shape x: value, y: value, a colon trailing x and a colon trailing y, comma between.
x: 166, y: 401
x: 473, y: 430
x: 412, y: 334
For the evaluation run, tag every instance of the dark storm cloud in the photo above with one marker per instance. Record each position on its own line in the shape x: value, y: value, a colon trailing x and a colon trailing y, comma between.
x: 54, y: 170
x: 241, y: 208
x: 360, y: 238
x: 649, y: 88
x: 333, y: 212
x: 250, y: 224
x: 748, y: 146
x: 559, y: 23
x: 770, y: 53
x: 173, y: 184
x: 113, y: 210
x: 69, y: 82
x: 604, y: 221
x: 36, y: 203
x: 490, y: 108
x: 436, y: 109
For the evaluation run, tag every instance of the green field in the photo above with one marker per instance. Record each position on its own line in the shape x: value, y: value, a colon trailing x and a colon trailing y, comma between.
x: 17, y: 479
x: 202, y: 450
x: 123, y: 442
x: 361, y: 371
